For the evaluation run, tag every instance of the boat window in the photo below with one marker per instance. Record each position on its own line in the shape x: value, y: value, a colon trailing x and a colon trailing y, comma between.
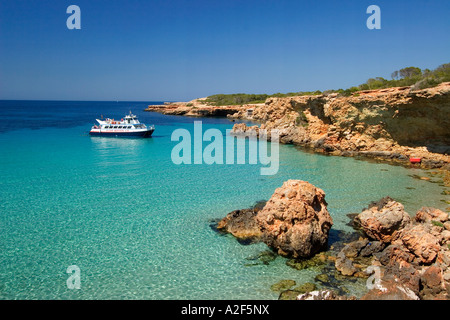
x: 129, y: 127
x: 115, y: 127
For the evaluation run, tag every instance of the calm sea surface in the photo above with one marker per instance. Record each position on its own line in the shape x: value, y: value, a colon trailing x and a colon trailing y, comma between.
x: 137, y: 225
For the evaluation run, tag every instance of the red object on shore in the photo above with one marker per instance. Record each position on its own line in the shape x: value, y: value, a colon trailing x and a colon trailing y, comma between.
x: 415, y: 160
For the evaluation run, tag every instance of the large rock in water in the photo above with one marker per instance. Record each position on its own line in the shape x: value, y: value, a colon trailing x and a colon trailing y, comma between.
x: 295, y: 221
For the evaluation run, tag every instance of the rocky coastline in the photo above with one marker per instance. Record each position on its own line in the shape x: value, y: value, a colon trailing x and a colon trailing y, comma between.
x: 393, y: 125
x: 399, y: 256
x: 198, y: 108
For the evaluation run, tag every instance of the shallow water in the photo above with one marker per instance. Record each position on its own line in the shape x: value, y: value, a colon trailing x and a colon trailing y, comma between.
x: 137, y: 225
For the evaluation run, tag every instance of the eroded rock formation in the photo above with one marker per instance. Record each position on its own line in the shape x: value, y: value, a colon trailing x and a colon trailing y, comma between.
x: 412, y: 255
x: 391, y: 124
x: 295, y: 221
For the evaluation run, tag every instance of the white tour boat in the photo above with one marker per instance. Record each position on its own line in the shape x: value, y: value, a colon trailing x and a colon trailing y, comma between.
x: 126, y: 127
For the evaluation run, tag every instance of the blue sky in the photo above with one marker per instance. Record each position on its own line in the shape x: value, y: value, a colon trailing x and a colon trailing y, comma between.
x: 184, y: 49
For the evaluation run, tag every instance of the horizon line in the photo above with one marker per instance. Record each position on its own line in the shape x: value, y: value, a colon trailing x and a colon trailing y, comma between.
x: 69, y: 100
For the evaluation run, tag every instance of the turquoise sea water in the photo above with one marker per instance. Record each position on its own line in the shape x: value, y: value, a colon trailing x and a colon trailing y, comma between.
x: 137, y: 225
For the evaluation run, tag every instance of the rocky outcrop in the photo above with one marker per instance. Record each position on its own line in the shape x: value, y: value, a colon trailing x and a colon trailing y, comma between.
x: 420, y: 241
x: 427, y: 214
x: 400, y: 257
x: 199, y: 108
x: 382, y: 220
x: 390, y: 290
x: 392, y: 124
x: 295, y: 221
x: 411, y: 256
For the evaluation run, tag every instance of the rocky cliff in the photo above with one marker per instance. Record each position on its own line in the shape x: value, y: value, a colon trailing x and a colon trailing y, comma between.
x: 198, y: 108
x: 392, y: 124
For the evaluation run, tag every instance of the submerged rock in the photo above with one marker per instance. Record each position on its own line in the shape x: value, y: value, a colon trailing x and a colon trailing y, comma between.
x: 322, y: 278
x: 264, y: 257
x: 292, y: 294
x: 288, y: 295
x: 304, y: 288
x: 317, y: 261
x: 241, y: 224
x: 283, y: 285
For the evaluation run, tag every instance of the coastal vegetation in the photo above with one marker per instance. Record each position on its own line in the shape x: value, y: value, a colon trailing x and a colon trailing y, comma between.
x: 409, y: 76
x: 244, y: 98
x: 235, y: 98
x: 301, y: 119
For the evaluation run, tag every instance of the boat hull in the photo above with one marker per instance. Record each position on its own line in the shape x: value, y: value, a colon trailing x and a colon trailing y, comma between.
x: 124, y: 134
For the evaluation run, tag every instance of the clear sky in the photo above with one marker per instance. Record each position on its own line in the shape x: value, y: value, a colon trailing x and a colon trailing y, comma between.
x: 184, y: 49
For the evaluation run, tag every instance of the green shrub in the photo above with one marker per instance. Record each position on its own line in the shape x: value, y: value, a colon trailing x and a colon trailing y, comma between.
x: 437, y: 223
x: 301, y: 119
